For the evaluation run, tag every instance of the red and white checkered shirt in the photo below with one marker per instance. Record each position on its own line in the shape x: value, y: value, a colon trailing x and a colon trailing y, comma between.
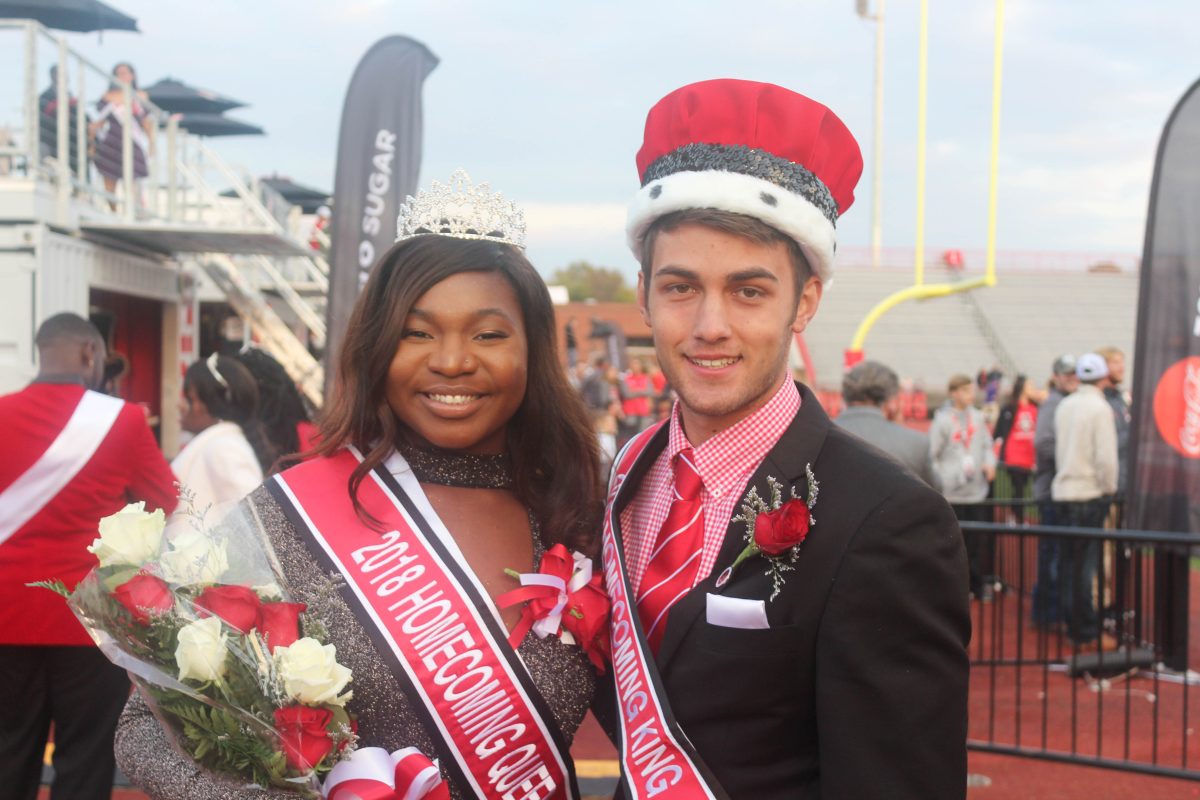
x: 725, y: 462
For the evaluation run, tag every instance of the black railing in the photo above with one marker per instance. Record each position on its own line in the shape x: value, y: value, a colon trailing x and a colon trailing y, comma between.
x: 1097, y: 675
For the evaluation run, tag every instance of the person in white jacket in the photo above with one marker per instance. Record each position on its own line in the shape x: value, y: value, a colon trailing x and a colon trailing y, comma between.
x: 225, y: 459
x: 1085, y: 456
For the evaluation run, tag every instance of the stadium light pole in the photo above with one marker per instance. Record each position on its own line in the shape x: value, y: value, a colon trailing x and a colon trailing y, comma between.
x: 862, y: 7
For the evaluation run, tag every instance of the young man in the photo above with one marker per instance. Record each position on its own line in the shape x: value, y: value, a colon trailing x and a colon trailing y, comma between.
x: 1114, y: 393
x: 70, y: 456
x: 960, y: 445
x: 836, y: 668
x: 1086, y: 477
x: 1046, y: 613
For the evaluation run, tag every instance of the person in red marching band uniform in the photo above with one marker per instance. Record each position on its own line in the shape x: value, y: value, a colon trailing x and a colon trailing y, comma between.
x: 69, y: 457
x: 789, y: 605
x: 453, y: 450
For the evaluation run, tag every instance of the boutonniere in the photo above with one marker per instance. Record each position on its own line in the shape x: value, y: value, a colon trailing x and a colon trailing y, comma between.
x: 564, y: 598
x: 776, y: 529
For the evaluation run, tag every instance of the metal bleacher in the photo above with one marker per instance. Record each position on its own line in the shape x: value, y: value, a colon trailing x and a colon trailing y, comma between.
x: 1036, y: 315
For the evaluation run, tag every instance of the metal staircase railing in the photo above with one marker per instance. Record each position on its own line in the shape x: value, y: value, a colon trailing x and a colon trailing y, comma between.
x: 276, y: 336
x: 183, y: 187
x: 984, y: 325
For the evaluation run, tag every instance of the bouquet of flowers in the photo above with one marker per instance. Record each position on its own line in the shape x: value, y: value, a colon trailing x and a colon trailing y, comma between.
x: 242, y: 675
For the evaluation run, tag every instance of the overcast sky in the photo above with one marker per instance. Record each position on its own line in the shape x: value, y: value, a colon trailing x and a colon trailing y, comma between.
x: 547, y: 100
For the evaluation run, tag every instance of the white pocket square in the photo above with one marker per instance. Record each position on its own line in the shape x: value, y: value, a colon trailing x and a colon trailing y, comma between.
x: 736, y: 612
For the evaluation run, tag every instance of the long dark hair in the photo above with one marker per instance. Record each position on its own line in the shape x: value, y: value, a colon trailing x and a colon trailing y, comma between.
x: 554, y: 453
x: 236, y: 401
x: 280, y: 406
x: 1018, y: 389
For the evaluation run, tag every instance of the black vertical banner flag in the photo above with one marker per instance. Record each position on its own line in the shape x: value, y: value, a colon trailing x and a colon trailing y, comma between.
x: 1164, y: 446
x: 378, y: 164
x: 1165, y: 439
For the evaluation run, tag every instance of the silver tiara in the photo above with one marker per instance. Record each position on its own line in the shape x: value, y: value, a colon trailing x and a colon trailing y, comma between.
x: 462, y: 210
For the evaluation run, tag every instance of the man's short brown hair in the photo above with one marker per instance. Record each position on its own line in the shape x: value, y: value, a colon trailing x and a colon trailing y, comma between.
x: 728, y: 222
x: 957, y: 382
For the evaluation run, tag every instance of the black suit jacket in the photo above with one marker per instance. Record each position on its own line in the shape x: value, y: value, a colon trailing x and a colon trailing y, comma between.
x: 858, y: 689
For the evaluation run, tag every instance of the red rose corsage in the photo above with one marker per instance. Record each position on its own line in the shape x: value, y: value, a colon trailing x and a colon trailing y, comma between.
x: 775, y: 530
x: 563, y: 598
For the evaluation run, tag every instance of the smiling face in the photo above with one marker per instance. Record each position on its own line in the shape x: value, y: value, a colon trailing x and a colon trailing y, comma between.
x: 723, y: 310
x: 459, y: 373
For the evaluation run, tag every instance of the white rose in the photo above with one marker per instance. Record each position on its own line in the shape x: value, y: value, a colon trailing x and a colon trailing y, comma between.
x: 194, y: 557
x: 131, y: 536
x: 268, y: 591
x: 310, y: 672
x: 201, y: 650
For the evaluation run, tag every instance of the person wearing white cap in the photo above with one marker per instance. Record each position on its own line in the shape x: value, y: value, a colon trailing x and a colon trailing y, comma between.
x: 790, y: 612
x: 1085, y: 457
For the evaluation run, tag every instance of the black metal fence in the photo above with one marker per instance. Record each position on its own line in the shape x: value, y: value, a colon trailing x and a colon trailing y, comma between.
x: 1080, y: 649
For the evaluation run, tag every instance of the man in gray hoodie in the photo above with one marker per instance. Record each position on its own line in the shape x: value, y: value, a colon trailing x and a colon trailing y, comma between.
x: 964, y: 465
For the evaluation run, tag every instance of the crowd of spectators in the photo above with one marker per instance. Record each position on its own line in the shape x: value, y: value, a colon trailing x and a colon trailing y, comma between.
x: 1052, y: 453
x: 621, y: 403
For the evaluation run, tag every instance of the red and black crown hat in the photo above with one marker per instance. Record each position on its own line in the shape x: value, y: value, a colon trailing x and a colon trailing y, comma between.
x: 750, y: 148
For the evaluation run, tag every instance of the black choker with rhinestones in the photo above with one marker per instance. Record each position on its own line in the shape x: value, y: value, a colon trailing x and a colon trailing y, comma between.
x: 449, y: 468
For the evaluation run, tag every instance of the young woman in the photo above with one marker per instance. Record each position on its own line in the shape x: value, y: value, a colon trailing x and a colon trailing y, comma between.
x: 107, y: 129
x: 226, y: 458
x: 451, y: 405
x: 1013, y: 437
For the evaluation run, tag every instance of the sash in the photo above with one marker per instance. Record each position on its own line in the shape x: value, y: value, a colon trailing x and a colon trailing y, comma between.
x: 70, y: 451
x: 657, y: 760
x: 432, y: 621
x: 125, y: 119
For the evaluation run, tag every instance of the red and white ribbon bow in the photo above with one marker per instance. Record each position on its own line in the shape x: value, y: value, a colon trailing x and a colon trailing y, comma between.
x: 371, y: 773
x: 565, y: 599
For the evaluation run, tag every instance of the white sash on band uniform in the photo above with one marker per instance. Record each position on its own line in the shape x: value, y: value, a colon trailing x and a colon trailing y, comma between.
x: 73, y: 448
x: 657, y: 760
x: 434, y: 624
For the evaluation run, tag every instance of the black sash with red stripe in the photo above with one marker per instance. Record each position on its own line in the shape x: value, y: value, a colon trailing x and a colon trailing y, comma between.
x: 434, y: 625
x: 657, y: 760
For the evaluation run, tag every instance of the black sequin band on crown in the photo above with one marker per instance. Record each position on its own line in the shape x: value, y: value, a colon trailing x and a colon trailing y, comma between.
x: 739, y: 158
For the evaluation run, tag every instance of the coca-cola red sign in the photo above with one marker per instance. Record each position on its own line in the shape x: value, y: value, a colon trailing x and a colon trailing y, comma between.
x: 1177, y: 406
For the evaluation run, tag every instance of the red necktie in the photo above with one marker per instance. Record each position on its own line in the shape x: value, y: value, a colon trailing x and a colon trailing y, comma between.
x: 676, y: 555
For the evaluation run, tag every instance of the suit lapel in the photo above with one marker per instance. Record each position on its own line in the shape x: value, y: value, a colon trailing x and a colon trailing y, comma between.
x: 798, y: 447
x: 633, y: 480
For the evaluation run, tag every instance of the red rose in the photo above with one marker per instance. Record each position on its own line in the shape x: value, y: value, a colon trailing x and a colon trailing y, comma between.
x: 237, y: 605
x: 144, y: 595
x: 776, y: 532
x: 590, y: 629
x: 279, y: 623
x: 304, y: 735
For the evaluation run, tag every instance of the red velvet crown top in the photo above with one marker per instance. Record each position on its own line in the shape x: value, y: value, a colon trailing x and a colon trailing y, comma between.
x: 761, y: 116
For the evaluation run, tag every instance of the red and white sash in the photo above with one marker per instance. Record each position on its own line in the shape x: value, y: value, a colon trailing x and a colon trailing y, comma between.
x: 70, y: 451
x: 427, y: 610
x: 657, y: 760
